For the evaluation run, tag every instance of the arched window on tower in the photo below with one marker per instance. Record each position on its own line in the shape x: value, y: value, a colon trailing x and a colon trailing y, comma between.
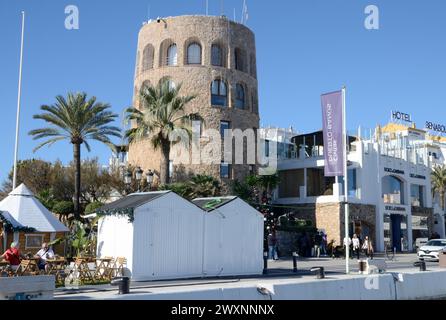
x: 194, y: 53
x: 253, y: 66
x: 172, y: 55
x: 217, y: 56
x: 239, y: 59
x: 240, y: 96
x: 219, y: 93
x: 147, y: 57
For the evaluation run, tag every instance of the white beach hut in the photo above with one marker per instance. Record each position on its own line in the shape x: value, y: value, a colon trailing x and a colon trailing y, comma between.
x: 159, y: 233
x: 25, y: 220
x: 233, y: 237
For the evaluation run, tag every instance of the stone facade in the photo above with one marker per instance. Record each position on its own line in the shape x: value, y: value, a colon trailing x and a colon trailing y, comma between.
x: 330, y: 217
x: 196, y: 80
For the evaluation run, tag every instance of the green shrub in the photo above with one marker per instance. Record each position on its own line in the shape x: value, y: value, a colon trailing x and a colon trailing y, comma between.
x: 92, y: 207
x: 63, y: 207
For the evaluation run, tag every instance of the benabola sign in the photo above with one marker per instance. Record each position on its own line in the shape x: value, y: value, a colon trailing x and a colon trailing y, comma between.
x: 333, y: 138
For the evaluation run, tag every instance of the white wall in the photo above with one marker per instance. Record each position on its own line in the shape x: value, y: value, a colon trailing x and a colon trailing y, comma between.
x: 415, y: 286
x: 115, y: 238
x: 34, y: 288
x: 168, y: 241
x: 234, y: 240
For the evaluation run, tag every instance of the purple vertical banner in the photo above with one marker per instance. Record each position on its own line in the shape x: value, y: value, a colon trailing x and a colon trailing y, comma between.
x: 333, y: 133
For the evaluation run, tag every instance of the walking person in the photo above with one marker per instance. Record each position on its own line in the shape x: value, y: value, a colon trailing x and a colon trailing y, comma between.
x: 272, y: 245
x: 317, y: 244
x: 324, y: 244
x: 347, y: 244
x: 368, y: 247
x: 356, y: 245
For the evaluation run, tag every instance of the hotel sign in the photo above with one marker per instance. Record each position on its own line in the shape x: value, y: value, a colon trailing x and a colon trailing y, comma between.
x: 401, y: 116
x: 390, y: 170
x: 441, y: 128
x: 417, y: 176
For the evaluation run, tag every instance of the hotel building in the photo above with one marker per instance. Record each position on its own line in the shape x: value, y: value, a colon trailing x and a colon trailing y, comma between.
x: 389, y: 185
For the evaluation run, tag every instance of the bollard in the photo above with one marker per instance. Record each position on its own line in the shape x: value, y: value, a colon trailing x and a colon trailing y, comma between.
x: 421, y: 264
x: 123, y: 284
x: 295, y: 255
x: 265, y: 262
x: 362, y: 266
x: 320, y: 273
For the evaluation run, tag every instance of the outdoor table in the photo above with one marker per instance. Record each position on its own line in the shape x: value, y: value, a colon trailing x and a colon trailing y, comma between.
x: 83, y: 270
x: 103, y: 268
x: 56, y: 267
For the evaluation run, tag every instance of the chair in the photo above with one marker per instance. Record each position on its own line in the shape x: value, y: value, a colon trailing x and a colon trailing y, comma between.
x: 119, y: 266
x: 104, y: 268
x: 26, y: 267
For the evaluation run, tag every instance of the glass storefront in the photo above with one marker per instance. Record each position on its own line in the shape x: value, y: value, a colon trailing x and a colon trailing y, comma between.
x: 395, y: 232
x: 392, y: 190
x: 417, y: 195
x: 420, y: 230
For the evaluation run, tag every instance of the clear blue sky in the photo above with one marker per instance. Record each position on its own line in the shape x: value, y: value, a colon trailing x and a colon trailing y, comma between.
x: 305, y: 48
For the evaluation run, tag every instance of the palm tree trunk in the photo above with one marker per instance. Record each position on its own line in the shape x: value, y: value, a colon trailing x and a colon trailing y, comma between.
x: 442, y: 200
x: 77, y: 179
x: 165, y: 157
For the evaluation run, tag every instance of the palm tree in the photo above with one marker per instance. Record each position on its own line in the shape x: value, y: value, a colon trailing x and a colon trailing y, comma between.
x: 438, y: 177
x: 162, y: 114
x: 203, y: 186
x: 76, y: 119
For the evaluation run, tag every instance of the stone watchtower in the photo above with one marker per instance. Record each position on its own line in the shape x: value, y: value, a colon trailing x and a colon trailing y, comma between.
x: 215, y: 60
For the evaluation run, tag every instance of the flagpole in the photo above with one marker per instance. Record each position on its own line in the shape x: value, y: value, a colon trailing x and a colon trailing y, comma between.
x: 346, y: 208
x: 17, y: 131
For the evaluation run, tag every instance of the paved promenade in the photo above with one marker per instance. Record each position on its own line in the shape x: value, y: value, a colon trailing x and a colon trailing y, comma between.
x: 279, y: 272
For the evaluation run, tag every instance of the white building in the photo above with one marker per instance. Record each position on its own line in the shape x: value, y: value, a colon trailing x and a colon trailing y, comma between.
x: 390, y: 193
x: 164, y: 236
x: 233, y: 237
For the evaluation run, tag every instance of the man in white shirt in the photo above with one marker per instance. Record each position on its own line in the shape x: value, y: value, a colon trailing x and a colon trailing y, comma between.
x: 347, y: 242
x: 43, y: 255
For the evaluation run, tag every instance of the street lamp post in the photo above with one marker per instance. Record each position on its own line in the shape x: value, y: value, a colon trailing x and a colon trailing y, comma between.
x: 137, y: 175
x: 149, y: 176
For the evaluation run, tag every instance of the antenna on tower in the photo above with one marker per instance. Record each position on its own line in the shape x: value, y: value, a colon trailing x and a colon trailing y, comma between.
x: 222, y: 7
x: 148, y: 13
x: 244, y: 13
x: 207, y: 7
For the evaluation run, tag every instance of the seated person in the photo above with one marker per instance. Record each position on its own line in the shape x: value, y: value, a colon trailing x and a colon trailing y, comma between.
x: 43, y: 255
x: 13, y: 256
